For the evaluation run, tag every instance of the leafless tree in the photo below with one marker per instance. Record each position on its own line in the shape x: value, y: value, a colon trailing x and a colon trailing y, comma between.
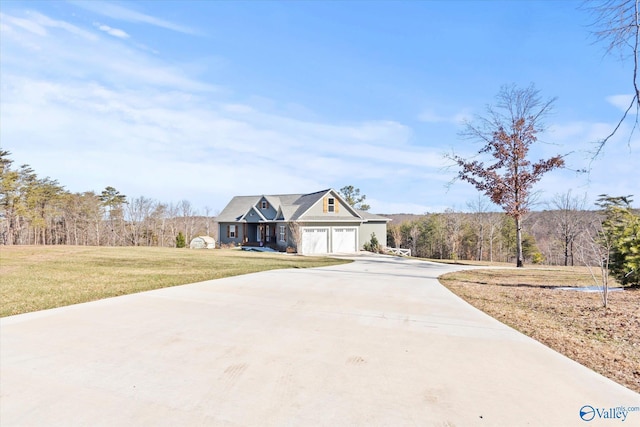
x: 295, y: 231
x: 139, y: 211
x: 569, y: 221
x: 594, y: 249
x: 480, y: 221
x: 616, y: 23
x: 507, y: 133
x: 396, y: 234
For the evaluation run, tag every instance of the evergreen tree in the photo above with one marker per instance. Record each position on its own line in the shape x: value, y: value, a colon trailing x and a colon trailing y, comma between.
x: 621, y: 228
x: 180, y: 240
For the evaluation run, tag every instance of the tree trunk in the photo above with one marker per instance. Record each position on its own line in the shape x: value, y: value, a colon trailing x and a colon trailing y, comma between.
x: 520, y: 257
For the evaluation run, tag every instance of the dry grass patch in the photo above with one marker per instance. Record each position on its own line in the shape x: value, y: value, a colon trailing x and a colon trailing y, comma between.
x: 41, y: 277
x: 570, y: 322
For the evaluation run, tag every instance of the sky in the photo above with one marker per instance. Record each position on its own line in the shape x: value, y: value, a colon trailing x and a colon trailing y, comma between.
x: 205, y: 100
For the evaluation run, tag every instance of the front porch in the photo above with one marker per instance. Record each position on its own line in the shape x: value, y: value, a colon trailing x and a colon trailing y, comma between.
x: 259, y: 235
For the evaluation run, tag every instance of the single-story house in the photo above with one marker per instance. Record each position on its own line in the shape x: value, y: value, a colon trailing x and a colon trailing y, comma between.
x: 314, y: 223
x: 203, y: 242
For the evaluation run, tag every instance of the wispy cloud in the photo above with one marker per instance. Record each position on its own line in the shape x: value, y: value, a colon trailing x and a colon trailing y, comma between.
x: 126, y: 114
x: 38, y: 24
x: 111, y: 31
x: 431, y: 116
x: 122, y: 13
x: 108, y: 113
x: 86, y: 57
x: 621, y: 102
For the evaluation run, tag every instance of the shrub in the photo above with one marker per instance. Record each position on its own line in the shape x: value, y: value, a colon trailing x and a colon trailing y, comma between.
x: 180, y: 240
x: 373, y: 245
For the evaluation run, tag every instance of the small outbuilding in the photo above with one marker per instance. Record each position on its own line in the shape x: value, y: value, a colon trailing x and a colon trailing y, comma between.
x: 203, y: 242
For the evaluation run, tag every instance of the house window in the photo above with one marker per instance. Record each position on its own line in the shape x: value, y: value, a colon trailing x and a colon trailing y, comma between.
x: 231, y: 231
x: 264, y: 204
x: 283, y: 233
x: 268, y: 236
x: 331, y: 204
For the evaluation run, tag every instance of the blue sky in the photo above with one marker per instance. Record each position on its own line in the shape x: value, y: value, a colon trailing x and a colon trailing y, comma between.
x: 205, y: 100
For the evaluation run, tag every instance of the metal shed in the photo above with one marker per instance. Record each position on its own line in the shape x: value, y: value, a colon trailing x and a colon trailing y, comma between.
x: 203, y: 242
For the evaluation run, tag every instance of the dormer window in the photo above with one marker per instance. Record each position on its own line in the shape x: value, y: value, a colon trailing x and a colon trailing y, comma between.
x: 331, y: 204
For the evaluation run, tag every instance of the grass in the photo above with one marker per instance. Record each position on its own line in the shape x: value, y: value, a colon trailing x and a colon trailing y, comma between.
x: 572, y: 323
x: 40, y: 277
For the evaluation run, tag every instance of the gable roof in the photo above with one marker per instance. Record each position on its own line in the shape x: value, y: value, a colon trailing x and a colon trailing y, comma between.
x: 289, y: 207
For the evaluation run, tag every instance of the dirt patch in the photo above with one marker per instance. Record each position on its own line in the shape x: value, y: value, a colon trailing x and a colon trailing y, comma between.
x: 570, y: 322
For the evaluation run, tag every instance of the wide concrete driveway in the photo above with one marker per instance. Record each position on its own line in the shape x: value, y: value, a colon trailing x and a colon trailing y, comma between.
x: 375, y: 342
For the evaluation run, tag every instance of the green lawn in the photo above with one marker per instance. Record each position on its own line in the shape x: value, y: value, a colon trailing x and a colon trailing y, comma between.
x: 35, y: 278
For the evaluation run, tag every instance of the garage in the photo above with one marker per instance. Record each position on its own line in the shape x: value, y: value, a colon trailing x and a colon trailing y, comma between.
x: 344, y: 239
x: 315, y: 240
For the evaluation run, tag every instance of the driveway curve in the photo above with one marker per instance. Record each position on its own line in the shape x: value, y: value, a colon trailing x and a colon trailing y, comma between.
x: 372, y: 343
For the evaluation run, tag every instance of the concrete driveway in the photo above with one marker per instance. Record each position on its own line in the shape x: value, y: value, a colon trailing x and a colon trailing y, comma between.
x: 375, y: 342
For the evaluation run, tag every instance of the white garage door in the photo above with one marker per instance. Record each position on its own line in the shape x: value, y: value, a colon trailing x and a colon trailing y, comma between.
x: 315, y: 240
x: 344, y: 240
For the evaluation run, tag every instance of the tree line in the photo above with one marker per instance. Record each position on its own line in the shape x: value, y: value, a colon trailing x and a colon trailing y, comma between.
x: 40, y: 211
x: 565, y: 233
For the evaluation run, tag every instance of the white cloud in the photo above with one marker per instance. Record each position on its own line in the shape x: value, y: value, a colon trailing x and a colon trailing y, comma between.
x: 111, y: 31
x: 89, y: 57
x: 8, y: 22
x: 116, y: 11
x: 109, y: 114
x: 621, y: 102
x: 431, y: 116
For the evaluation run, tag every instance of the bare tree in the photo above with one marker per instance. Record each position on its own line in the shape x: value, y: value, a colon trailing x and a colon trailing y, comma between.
x: 138, y: 212
x: 295, y: 231
x: 617, y: 24
x: 481, y: 215
x: 569, y: 221
x: 507, y: 132
x: 396, y: 234
x: 594, y: 249
x: 188, y: 222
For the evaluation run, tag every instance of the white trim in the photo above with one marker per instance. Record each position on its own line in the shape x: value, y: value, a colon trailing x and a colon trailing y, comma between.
x: 256, y: 210
x: 336, y: 230
x: 323, y: 230
x: 337, y: 196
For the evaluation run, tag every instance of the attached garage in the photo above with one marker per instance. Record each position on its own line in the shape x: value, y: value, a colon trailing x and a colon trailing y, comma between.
x: 318, y: 223
x: 344, y: 239
x: 315, y: 240
x: 323, y: 240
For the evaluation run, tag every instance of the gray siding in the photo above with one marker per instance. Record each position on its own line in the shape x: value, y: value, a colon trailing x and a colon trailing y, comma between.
x: 317, y: 210
x: 270, y: 212
x: 222, y: 233
x: 379, y: 228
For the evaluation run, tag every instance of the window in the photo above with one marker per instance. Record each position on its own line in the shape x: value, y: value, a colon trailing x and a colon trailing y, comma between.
x: 283, y: 233
x: 264, y: 204
x: 331, y: 204
x: 231, y: 231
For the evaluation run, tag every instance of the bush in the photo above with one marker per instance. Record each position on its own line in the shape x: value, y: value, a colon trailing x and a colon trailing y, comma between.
x: 373, y: 245
x: 537, y: 258
x: 180, y: 240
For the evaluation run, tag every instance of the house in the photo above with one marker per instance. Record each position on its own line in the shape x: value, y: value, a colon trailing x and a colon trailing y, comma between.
x: 315, y: 223
x: 203, y: 242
